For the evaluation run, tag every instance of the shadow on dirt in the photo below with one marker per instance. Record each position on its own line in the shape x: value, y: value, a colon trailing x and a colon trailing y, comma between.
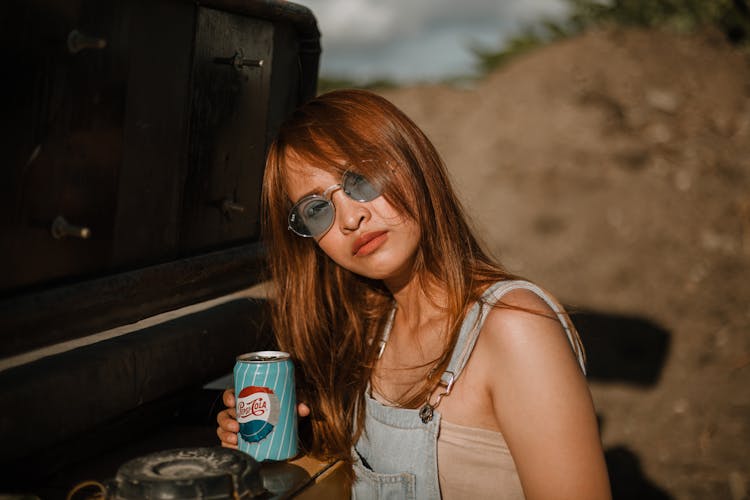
x: 627, y: 479
x: 621, y: 348
x: 630, y: 350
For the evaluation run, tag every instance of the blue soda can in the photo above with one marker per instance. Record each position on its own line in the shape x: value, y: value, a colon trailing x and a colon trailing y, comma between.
x: 266, y: 405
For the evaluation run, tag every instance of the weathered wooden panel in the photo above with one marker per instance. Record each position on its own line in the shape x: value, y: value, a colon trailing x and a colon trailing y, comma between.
x: 59, y: 314
x: 58, y: 398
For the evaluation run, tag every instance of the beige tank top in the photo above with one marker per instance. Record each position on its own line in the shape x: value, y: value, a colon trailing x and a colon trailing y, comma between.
x: 475, y: 463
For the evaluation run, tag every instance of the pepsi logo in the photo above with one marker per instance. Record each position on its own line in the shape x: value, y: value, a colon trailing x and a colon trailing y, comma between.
x: 257, y: 412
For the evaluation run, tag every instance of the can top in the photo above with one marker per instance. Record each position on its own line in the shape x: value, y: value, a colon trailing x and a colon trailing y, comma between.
x: 262, y: 357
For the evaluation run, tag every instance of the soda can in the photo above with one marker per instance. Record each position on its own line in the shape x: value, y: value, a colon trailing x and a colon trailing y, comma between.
x: 266, y: 405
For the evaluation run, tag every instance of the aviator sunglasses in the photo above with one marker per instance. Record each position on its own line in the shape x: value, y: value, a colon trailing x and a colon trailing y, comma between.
x: 313, y: 215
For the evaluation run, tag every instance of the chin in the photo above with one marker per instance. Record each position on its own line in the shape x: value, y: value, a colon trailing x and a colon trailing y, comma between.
x: 386, y: 271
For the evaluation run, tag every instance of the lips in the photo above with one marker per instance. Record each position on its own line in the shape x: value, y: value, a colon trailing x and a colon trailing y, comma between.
x: 369, y: 242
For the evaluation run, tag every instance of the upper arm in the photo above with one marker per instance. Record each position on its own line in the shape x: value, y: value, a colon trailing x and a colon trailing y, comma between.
x: 541, y: 402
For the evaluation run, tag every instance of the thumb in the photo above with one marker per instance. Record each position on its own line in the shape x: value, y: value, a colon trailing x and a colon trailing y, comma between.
x: 303, y: 410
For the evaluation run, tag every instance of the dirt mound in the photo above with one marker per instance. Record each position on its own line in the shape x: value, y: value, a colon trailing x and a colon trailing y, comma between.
x: 614, y: 168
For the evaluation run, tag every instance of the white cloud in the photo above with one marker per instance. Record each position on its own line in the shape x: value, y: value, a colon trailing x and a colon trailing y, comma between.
x: 416, y: 39
x: 353, y: 21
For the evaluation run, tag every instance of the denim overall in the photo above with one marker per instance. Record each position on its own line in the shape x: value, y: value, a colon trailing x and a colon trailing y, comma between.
x: 396, y: 456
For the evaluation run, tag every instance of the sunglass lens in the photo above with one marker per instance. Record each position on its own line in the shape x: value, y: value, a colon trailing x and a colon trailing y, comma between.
x: 311, y: 217
x: 359, y: 188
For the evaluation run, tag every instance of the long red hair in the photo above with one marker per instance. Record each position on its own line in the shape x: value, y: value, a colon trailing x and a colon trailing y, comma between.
x: 328, y: 317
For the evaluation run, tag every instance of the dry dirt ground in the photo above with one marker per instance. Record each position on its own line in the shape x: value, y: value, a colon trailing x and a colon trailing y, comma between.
x: 614, y: 169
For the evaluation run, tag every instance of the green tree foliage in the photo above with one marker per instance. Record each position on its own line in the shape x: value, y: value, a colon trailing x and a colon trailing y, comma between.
x: 732, y: 17
x: 326, y: 84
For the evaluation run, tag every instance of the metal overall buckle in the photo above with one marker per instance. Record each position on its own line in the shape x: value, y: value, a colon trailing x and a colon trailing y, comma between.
x: 427, y: 410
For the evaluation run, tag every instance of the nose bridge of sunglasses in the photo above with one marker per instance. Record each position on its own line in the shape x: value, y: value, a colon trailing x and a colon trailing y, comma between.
x: 328, y: 193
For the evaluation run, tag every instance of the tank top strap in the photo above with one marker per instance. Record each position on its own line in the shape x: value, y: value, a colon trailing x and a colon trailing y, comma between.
x: 477, y: 315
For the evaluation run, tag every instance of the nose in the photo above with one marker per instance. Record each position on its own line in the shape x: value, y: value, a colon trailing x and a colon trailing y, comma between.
x: 350, y: 214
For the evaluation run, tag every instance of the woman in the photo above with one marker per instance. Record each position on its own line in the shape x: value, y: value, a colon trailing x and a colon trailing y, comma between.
x: 427, y: 366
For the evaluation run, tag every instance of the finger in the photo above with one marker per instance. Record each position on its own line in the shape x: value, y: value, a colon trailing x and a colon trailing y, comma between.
x: 227, y: 422
x: 303, y: 410
x: 228, y: 439
x: 228, y: 398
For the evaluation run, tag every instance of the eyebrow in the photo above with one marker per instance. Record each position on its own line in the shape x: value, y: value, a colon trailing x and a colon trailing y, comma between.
x: 318, y: 190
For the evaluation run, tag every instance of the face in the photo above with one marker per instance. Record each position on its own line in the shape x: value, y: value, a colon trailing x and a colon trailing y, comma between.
x: 369, y: 238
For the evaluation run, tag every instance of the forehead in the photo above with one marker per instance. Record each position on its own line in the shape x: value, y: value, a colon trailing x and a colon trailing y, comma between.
x: 302, y: 179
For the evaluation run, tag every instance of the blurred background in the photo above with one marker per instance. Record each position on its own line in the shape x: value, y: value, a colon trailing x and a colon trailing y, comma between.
x: 390, y: 42
x: 603, y: 150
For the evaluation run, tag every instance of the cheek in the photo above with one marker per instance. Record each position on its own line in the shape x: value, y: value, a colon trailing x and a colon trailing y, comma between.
x: 388, y: 214
x: 333, y: 247
x: 412, y: 237
x: 397, y: 220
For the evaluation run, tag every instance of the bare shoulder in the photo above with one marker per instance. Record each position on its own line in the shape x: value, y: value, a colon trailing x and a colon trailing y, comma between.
x: 523, y: 327
x: 523, y: 354
x: 539, y: 396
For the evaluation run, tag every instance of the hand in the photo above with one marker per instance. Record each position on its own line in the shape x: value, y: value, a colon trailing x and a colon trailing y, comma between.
x: 227, y: 419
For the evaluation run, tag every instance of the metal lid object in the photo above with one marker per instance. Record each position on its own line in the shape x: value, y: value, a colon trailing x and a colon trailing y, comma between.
x: 189, y: 473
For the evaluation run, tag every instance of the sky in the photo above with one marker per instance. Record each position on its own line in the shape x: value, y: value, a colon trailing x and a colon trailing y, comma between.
x: 416, y: 40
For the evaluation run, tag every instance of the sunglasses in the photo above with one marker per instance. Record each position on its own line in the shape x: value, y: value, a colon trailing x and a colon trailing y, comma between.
x: 313, y: 215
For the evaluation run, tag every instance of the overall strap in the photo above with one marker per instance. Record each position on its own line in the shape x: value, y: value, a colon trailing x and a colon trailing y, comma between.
x: 476, y: 317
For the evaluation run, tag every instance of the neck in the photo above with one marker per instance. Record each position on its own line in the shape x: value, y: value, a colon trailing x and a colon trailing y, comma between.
x: 418, y: 303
